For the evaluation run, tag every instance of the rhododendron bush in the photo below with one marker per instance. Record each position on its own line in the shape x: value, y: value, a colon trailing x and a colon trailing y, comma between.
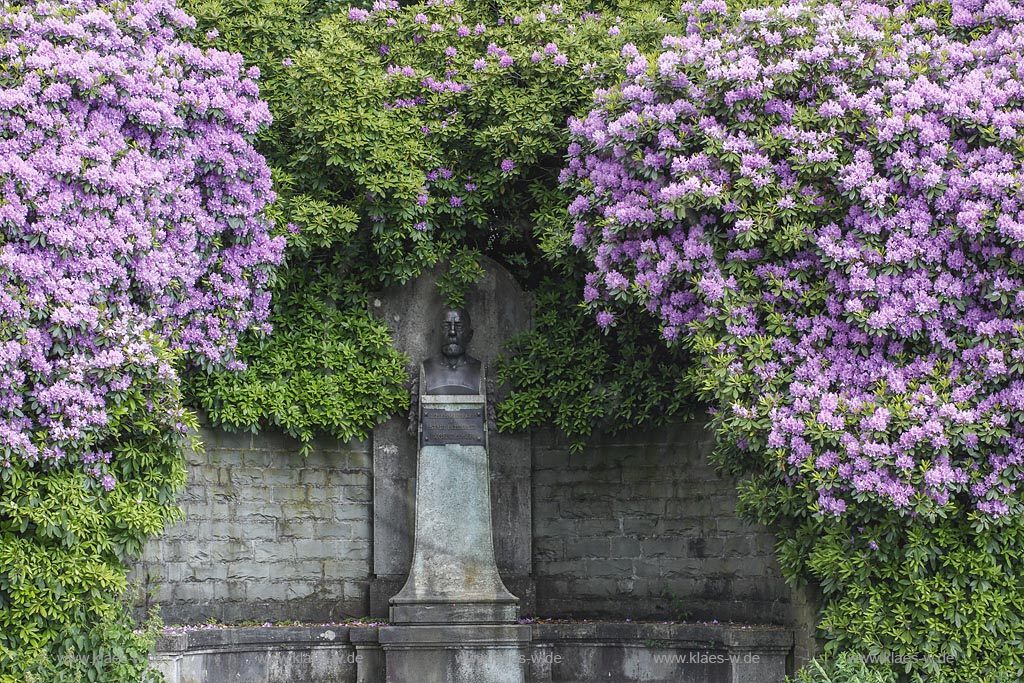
x: 823, y: 203
x: 409, y: 135
x: 132, y: 241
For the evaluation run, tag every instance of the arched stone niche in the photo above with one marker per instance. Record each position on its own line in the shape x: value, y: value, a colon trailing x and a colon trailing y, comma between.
x: 499, y: 310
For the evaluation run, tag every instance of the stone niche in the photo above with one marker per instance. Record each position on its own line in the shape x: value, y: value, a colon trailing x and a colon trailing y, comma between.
x: 499, y: 310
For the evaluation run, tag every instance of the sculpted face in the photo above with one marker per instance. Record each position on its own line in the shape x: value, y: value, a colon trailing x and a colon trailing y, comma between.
x: 456, y: 333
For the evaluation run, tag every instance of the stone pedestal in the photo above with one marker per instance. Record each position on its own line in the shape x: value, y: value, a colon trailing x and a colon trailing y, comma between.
x: 500, y: 310
x: 453, y: 577
x: 456, y: 653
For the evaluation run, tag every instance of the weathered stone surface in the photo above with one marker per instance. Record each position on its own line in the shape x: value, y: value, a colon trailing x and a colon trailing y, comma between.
x: 267, y: 534
x: 370, y: 662
x: 664, y: 653
x: 455, y: 654
x: 258, y: 655
x: 499, y: 310
x: 497, y: 306
x: 541, y: 653
x: 453, y: 576
x: 644, y: 514
x: 394, y: 490
x: 511, y: 513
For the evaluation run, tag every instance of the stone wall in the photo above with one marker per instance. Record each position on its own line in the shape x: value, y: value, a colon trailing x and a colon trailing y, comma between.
x: 267, y: 534
x: 635, y: 526
x: 642, y: 526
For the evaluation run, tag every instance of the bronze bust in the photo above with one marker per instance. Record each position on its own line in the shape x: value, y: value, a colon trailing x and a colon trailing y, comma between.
x: 455, y: 372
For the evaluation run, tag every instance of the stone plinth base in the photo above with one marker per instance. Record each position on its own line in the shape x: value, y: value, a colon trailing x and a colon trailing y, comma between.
x: 383, y: 587
x: 456, y: 654
x: 453, y: 577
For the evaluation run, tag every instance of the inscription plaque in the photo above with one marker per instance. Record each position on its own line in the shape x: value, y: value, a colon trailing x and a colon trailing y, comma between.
x: 461, y: 427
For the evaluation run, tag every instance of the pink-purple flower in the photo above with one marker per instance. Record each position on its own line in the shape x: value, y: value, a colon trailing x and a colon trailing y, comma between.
x: 133, y: 228
x: 882, y: 270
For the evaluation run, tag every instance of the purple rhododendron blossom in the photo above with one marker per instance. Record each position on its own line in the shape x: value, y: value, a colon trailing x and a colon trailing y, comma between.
x: 879, y: 272
x: 132, y: 225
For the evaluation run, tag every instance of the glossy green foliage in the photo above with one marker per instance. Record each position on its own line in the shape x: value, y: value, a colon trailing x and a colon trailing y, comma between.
x: 327, y: 368
x: 846, y: 668
x: 568, y: 373
x: 65, y: 541
x: 939, y: 601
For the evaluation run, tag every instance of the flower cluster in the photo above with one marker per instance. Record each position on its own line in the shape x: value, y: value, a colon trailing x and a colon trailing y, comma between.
x: 131, y: 225
x: 823, y: 202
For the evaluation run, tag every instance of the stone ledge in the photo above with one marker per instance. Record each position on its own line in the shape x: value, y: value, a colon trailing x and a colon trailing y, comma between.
x: 731, y: 636
x: 396, y: 636
x: 723, y: 636
x: 260, y: 637
x: 594, y: 652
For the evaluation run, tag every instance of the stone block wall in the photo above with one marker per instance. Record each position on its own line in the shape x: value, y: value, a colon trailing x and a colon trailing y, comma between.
x: 641, y: 525
x: 267, y: 534
x: 635, y: 526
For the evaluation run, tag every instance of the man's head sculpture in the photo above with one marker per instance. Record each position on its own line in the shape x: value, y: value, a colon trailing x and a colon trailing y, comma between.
x: 454, y: 371
x: 456, y: 333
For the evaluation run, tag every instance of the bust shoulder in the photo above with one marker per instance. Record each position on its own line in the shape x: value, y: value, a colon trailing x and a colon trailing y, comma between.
x: 442, y: 378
